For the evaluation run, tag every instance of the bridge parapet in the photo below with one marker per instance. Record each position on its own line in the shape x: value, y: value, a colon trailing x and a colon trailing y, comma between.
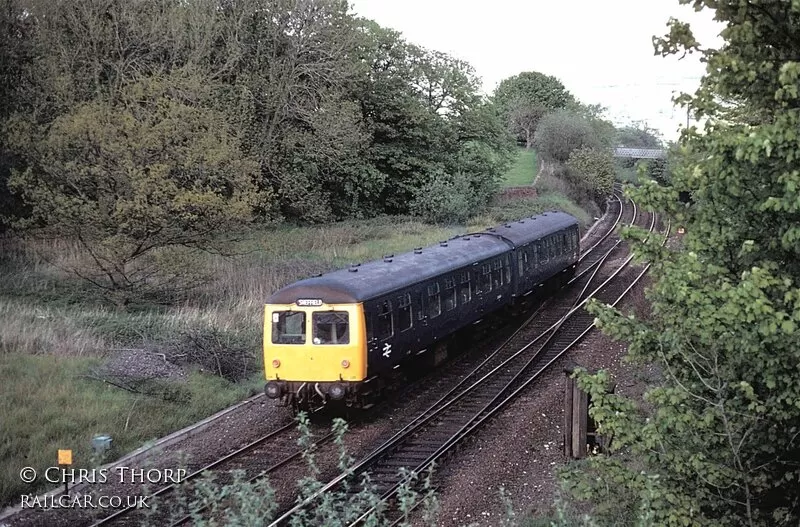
x: 640, y: 153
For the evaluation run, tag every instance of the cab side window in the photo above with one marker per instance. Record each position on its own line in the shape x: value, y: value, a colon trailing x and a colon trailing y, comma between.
x: 385, y: 327
x: 449, y: 294
x: 464, y: 291
x: 404, y: 312
x: 434, y: 301
x: 486, y: 278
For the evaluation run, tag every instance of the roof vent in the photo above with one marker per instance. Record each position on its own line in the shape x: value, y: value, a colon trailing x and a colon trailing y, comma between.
x: 417, y: 250
x: 491, y: 229
x: 385, y: 256
x: 477, y: 235
x: 465, y: 238
x: 388, y: 259
x: 507, y: 225
x: 443, y: 243
x: 353, y: 269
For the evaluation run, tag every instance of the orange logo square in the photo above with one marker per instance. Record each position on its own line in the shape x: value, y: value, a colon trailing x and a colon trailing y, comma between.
x: 65, y: 457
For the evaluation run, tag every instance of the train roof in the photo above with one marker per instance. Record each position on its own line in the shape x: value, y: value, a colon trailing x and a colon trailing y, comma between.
x: 378, y: 277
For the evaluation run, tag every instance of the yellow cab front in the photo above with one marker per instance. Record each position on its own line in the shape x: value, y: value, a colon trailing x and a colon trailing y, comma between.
x: 312, y: 342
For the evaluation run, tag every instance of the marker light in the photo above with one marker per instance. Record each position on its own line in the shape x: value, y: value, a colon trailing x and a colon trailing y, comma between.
x: 345, y: 363
x: 276, y: 363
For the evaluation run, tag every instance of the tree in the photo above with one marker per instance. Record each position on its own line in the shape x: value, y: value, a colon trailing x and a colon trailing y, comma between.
x: 525, y: 98
x: 139, y: 184
x: 560, y: 133
x: 16, y: 56
x: 720, y: 442
x: 596, y: 168
x: 638, y: 135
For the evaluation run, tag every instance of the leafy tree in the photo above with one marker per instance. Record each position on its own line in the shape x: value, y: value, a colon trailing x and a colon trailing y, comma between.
x: 604, y: 129
x: 596, y: 168
x: 525, y: 98
x: 427, y: 119
x: 560, y: 133
x: 16, y: 56
x: 638, y: 135
x: 720, y: 441
x: 445, y: 199
x: 139, y: 184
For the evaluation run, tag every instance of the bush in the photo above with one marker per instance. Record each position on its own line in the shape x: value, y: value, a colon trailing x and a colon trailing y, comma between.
x: 567, y: 182
x: 595, y: 167
x: 445, y: 199
x: 562, y: 132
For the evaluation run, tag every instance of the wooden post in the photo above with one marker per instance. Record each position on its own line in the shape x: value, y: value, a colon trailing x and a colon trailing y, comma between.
x: 568, y: 391
x: 576, y: 418
x: 580, y: 418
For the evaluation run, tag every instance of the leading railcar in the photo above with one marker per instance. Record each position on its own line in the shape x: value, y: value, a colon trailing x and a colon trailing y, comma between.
x: 338, y: 336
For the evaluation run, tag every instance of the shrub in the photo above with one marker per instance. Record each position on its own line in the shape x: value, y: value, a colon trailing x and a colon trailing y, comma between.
x: 559, y: 133
x: 445, y: 199
x: 141, y: 185
x: 595, y: 167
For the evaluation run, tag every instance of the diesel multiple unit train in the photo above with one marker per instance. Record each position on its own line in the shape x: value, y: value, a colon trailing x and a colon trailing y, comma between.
x: 340, y: 335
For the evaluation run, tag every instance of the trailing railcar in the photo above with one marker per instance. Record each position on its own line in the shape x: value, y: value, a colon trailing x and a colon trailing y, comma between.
x: 337, y: 336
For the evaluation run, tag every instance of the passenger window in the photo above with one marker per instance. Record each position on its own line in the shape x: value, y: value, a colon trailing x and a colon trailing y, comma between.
x: 497, y: 273
x: 404, y: 315
x: 434, y: 301
x: 288, y: 327
x: 486, y: 278
x: 449, y: 294
x: 507, y: 268
x: 330, y: 327
x: 464, y: 291
x: 385, y: 326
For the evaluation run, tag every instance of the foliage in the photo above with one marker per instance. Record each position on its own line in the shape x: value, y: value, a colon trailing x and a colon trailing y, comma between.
x: 604, y: 129
x: 146, y: 129
x: 244, y: 502
x: 596, y: 168
x: 560, y: 133
x: 445, y: 199
x: 526, y: 97
x: 719, y: 442
x: 140, y: 184
x: 638, y: 135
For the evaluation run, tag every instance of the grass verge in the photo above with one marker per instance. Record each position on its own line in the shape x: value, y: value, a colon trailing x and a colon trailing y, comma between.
x: 49, y: 403
x: 523, y: 170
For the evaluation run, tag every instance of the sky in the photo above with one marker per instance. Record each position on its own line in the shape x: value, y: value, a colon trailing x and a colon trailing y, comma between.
x: 601, y: 51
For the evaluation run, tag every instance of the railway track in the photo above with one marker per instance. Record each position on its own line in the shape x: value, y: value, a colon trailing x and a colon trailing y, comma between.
x: 280, y: 446
x: 481, y: 394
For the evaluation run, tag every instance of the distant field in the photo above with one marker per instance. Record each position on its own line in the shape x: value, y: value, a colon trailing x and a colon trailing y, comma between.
x: 523, y: 170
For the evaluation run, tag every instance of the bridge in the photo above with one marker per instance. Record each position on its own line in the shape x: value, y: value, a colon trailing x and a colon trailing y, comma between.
x: 640, y: 153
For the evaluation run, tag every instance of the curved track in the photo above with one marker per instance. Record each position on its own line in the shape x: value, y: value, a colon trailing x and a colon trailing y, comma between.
x: 281, y: 444
x: 487, y: 389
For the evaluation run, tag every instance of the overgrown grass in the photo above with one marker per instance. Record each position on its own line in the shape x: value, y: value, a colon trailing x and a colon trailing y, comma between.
x: 523, y: 170
x: 56, y: 330
x: 50, y: 403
